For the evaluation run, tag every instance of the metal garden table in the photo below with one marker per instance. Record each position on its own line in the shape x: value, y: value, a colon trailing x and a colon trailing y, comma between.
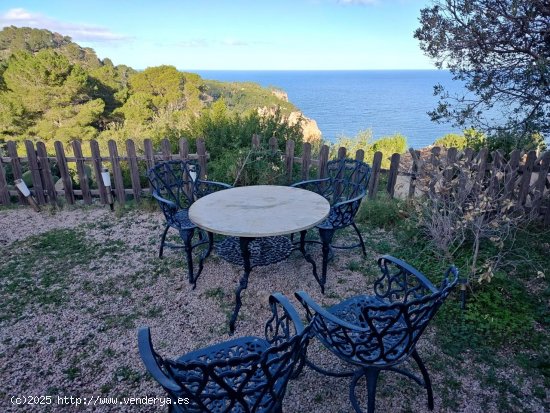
x: 255, y: 218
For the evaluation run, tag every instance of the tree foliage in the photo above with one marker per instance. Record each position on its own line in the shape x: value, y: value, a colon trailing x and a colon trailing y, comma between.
x: 53, y: 89
x: 501, y: 50
x: 364, y: 140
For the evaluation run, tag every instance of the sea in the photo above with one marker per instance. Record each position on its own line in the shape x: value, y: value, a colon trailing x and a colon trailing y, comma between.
x: 343, y: 103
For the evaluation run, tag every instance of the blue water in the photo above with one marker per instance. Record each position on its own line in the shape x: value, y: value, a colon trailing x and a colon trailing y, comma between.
x: 346, y: 102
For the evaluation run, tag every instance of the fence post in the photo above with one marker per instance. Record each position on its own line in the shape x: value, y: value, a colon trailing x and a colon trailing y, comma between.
x: 468, y: 154
x: 184, y: 149
x: 541, y: 181
x: 166, y: 149
x: 375, y: 174
x: 451, y: 159
x: 38, y: 189
x: 64, y: 172
x: 415, y: 155
x: 16, y: 168
x: 289, y: 159
x: 511, y: 171
x: 306, y: 161
x: 86, y: 195
x: 4, y: 192
x: 134, y: 169
x: 117, y: 172
x: 482, y: 165
x: 149, y: 157
x: 341, y: 152
x: 526, y: 177
x: 45, y: 171
x: 322, y: 172
x: 96, y: 163
x: 201, y: 153
x: 273, y: 145
x: 392, y: 175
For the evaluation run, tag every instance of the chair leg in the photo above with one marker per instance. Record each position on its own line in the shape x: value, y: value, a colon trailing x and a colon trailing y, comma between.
x: 162, y: 240
x: 426, y: 377
x: 372, y: 378
x: 371, y: 374
x: 326, y: 236
x: 360, y: 239
x: 187, y: 237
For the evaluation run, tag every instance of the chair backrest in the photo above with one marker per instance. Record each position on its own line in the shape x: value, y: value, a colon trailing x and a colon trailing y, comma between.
x: 349, y: 178
x: 245, y: 376
x: 382, y: 330
x: 173, y: 181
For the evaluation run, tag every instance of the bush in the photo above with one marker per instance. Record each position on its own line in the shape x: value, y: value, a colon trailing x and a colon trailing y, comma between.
x: 222, y: 130
x: 463, y: 210
x: 452, y: 140
x: 388, y: 145
x: 381, y: 212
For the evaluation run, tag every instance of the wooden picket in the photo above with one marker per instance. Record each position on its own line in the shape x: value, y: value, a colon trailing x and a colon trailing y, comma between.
x: 526, y: 175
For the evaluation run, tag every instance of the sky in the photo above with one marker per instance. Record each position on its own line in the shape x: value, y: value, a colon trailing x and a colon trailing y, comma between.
x: 235, y: 34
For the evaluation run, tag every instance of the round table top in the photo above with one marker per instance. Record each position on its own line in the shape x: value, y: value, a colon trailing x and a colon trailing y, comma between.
x: 259, y: 211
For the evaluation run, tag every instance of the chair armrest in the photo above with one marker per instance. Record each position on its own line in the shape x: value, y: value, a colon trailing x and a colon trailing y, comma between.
x: 312, y: 308
x: 202, y: 187
x: 278, y: 327
x: 349, y: 201
x: 309, y: 182
x: 409, y: 269
x: 165, y: 201
x: 151, y: 363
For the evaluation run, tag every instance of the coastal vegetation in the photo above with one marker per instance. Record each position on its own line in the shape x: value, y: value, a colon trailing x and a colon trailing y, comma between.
x: 364, y: 140
x: 53, y: 89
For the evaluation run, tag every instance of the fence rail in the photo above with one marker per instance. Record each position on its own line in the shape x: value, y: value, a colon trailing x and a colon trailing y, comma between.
x: 531, y: 188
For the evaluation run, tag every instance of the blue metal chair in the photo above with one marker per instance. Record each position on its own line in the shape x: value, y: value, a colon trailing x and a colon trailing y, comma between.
x: 379, y: 332
x: 247, y: 374
x: 176, y: 184
x: 344, y: 187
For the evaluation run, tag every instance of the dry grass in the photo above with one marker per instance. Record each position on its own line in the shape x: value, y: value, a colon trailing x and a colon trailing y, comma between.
x: 69, y: 326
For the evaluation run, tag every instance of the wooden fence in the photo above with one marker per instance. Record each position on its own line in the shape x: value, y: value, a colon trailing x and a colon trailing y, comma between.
x: 531, y: 187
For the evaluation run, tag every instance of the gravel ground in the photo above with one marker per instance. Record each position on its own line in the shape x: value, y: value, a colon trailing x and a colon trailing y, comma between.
x: 86, y: 345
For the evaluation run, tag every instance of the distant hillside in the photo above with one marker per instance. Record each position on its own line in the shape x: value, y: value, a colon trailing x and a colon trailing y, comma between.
x: 53, y: 89
x: 14, y: 39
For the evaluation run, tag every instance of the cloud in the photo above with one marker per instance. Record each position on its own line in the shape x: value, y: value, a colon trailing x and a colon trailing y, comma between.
x: 234, y: 42
x: 78, y: 32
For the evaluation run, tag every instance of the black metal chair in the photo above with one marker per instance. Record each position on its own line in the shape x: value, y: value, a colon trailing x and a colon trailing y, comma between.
x: 374, y: 333
x: 247, y: 374
x: 176, y: 184
x: 344, y: 187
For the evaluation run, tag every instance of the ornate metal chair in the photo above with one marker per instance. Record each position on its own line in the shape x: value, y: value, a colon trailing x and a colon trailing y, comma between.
x: 176, y: 184
x: 374, y: 333
x: 344, y: 187
x: 247, y: 374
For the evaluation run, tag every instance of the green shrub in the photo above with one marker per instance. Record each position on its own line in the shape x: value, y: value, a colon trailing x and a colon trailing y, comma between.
x: 452, y: 140
x: 388, y: 145
x: 27, y: 178
x: 381, y: 212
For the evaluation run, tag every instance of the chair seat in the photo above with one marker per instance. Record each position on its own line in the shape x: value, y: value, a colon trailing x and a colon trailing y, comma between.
x: 328, y: 223
x: 239, y: 347
x: 240, y: 374
x: 181, y: 220
x: 381, y: 345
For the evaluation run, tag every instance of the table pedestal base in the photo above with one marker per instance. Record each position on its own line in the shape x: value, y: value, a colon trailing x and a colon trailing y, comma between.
x: 253, y: 252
